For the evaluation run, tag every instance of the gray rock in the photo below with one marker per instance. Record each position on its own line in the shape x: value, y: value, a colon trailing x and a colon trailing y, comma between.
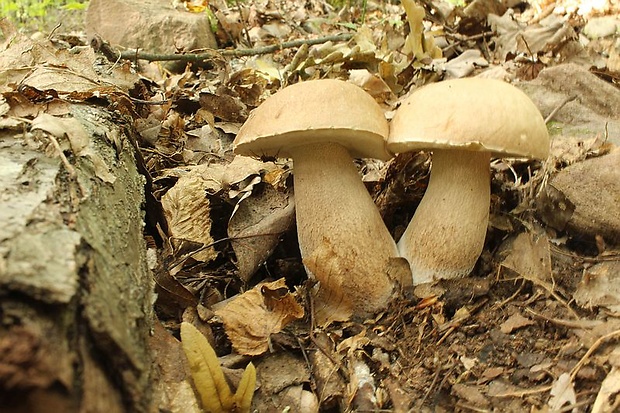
x: 599, y: 27
x: 584, y: 198
x: 594, y: 111
x: 150, y: 25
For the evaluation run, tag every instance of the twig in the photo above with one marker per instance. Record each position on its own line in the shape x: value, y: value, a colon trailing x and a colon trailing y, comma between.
x: 462, y: 39
x: 581, y: 324
x: 246, y: 31
x: 210, y: 54
x: 339, y: 367
x: 590, y: 351
x: 560, y: 106
x: 431, y: 386
x: 49, y: 36
x: 70, y: 169
x: 522, y: 393
x: 203, y: 247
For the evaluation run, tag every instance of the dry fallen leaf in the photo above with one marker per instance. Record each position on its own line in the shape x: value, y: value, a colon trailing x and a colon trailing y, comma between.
x: 173, y: 382
x: 256, y: 227
x: 330, y: 301
x: 599, y: 286
x: 530, y: 257
x: 562, y: 393
x: 269, y: 306
x: 515, y: 322
x: 209, y: 378
x: 607, y: 399
x: 188, y: 212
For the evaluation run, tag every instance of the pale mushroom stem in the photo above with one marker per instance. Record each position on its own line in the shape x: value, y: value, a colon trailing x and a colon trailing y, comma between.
x: 342, y: 237
x: 446, y: 234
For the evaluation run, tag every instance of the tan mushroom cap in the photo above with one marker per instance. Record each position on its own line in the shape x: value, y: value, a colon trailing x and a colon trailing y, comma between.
x: 470, y: 114
x: 315, y: 111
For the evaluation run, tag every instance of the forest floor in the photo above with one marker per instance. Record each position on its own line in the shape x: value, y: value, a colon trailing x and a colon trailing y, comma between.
x: 535, y: 327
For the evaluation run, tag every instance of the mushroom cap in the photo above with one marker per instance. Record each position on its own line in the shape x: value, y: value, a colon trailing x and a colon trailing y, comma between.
x: 470, y: 114
x: 315, y: 111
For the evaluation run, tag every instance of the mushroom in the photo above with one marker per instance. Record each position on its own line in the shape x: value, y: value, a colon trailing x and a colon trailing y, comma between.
x: 345, y: 246
x: 463, y: 122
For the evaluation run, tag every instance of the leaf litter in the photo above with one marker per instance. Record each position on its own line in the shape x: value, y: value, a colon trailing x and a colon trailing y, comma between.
x: 535, y: 327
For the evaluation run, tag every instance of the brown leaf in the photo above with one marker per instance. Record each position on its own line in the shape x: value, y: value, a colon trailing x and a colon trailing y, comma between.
x: 515, y: 322
x: 79, y: 140
x: 251, y: 318
x: 224, y: 107
x: 256, y: 226
x: 187, y: 209
x: 530, y: 257
x: 599, y: 286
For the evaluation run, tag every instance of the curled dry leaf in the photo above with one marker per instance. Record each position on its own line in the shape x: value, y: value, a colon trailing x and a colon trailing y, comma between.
x: 530, y: 257
x: 187, y: 209
x: 607, y: 400
x: 209, y: 378
x: 334, y: 295
x: 224, y: 107
x: 515, y: 322
x: 371, y: 83
x: 256, y: 227
x: 269, y: 306
x: 562, y: 393
x: 514, y: 37
x: 259, y: 217
x: 599, y: 286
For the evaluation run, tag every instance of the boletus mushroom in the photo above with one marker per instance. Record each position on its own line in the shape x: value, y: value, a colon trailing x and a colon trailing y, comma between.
x: 345, y: 246
x: 463, y: 122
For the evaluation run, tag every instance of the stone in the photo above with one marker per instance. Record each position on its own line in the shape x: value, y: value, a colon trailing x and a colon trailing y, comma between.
x: 598, y: 27
x: 594, y: 113
x: 153, y: 26
x: 584, y: 198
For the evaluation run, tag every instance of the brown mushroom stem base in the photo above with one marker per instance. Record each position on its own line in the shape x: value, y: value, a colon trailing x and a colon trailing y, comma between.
x: 446, y: 235
x: 344, y: 242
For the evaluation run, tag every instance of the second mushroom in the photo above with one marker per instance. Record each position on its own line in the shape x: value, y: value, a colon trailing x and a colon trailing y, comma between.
x: 463, y: 122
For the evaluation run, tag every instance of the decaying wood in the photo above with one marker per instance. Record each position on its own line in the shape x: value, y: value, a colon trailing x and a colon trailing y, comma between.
x: 75, y: 291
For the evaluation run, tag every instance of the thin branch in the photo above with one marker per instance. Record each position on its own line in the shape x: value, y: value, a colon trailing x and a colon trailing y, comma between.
x: 560, y: 106
x: 590, y: 351
x: 99, y: 45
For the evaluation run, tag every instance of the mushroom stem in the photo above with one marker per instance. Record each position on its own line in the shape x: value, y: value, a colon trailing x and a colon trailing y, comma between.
x: 341, y: 234
x: 446, y: 234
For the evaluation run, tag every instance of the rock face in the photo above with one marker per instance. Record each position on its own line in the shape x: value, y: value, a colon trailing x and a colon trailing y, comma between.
x: 593, y: 113
x: 151, y: 25
x: 585, y: 198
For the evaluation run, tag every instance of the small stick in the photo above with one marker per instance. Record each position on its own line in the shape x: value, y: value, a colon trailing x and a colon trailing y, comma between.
x: 246, y: 31
x: 560, y: 106
x: 210, y: 54
x: 590, y: 351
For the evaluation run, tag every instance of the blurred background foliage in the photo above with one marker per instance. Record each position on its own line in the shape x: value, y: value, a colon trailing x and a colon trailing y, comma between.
x: 44, y: 15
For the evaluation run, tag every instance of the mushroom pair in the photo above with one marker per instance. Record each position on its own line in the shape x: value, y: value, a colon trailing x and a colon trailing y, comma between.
x: 323, y: 124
